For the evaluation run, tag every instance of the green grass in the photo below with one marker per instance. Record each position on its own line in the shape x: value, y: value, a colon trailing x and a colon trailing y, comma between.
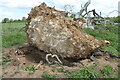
x: 5, y: 59
x: 12, y: 39
x: 60, y: 70
x: 30, y: 68
x: 5, y: 72
x: 107, y: 70
x: 109, y: 33
x: 118, y: 65
x: 47, y: 75
x: 86, y: 72
x: 30, y: 73
x: 53, y: 70
x: 115, y: 19
x: 93, y: 72
x: 12, y: 27
x: 1, y: 76
x: 12, y: 34
x: 15, y: 73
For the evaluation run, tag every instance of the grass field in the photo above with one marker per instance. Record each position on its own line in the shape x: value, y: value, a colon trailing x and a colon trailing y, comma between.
x: 13, y: 34
x: 109, y: 32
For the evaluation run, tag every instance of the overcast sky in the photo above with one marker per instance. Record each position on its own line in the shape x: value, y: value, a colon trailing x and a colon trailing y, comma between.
x: 16, y: 9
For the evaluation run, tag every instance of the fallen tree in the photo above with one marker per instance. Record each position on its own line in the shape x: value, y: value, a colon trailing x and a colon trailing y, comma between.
x: 51, y: 31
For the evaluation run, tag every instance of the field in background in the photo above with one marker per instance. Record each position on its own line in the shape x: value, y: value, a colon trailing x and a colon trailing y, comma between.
x: 13, y: 34
x: 108, y: 32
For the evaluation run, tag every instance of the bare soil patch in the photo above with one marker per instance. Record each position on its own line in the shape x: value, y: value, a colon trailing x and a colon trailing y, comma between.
x: 32, y: 56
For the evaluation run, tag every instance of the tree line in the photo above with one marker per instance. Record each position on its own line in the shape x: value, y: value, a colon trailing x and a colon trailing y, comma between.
x: 115, y: 19
x: 7, y: 20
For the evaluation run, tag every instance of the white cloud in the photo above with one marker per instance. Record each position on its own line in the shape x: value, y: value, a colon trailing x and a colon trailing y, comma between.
x: 9, y: 14
x: 105, y: 6
x: 100, y: 4
x: 5, y: 14
x: 24, y: 5
x: 19, y: 3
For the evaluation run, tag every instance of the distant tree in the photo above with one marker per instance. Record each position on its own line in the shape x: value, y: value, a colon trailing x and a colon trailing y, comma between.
x: 23, y: 18
x: 5, y: 20
x: 115, y: 19
x: 11, y: 20
x: 118, y: 19
x: 18, y: 20
x: 15, y: 20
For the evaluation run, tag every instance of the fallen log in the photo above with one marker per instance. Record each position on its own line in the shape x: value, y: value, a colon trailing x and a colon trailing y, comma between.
x: 53, y: 32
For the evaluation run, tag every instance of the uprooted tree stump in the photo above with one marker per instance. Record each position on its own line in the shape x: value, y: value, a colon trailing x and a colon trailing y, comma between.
x: 53, y: 32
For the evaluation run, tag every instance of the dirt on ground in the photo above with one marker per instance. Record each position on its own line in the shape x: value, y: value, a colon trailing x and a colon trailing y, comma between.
x: 24, y: 55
